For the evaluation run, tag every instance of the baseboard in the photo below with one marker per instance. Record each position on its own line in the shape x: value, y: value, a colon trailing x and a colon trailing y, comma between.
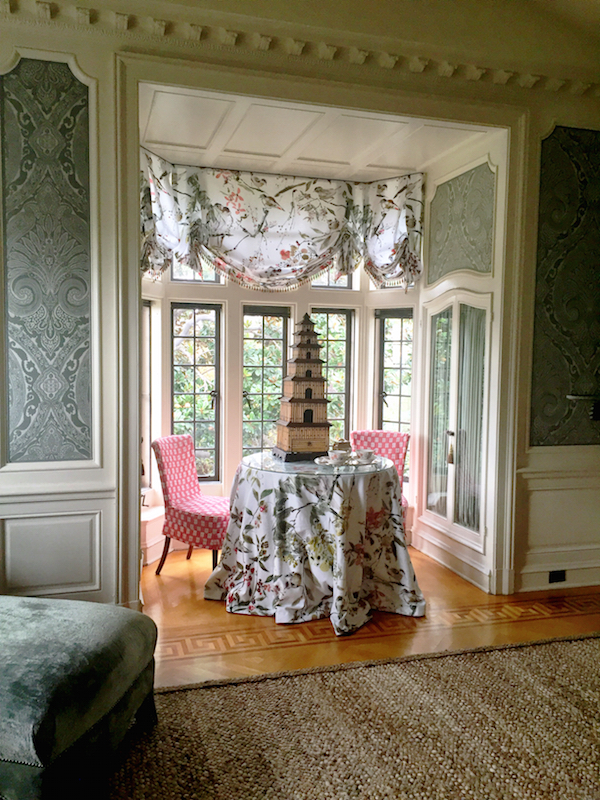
x: 438, y: 552
x: 580, y: 563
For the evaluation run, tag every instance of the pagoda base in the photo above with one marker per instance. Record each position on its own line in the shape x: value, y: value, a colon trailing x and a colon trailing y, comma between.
x: 283, y: 455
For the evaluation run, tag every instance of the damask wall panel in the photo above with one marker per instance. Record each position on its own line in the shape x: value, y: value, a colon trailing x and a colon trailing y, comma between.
x: 46, y: 221
x: 461, y: 225
x: 566, y: 341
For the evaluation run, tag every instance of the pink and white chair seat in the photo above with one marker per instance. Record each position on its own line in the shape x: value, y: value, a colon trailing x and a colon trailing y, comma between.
x: 389, y: 444
x: 190, y: 516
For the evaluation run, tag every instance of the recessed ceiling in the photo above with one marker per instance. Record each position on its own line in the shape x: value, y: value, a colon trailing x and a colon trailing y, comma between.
x: 208, y: 129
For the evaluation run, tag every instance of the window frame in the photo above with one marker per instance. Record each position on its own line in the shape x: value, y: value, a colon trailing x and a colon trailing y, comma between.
x: 350, y: 314
x: 262, y: 311
x: 218, y: 308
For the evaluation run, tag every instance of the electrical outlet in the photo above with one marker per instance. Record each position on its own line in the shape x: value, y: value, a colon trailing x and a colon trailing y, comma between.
x: 557, y: 576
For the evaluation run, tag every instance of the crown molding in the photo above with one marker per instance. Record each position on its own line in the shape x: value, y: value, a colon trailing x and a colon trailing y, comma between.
x: 198, y: 39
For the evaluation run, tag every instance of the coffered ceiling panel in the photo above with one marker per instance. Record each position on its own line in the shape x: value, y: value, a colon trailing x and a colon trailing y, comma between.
x: 270, y: 130
x: 348, y: 138
x: 185, y: 120
x: 202, y: 128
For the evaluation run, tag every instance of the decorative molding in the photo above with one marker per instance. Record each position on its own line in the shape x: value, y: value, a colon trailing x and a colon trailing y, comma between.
x: 553, y: 84
x: 226, y: 37
x: 417, y: 64
x: 158, y: 26
x: 528, y: 81
x: 195, y: 32
x: 44, y: 10
x: 186, y: 34
x: 579, y: 88
x: 121, y: 21
x: 326, y: 52
x: 501, y: 76
x: 386, y: 60
x: 259, y: 42
x: 356, y: 56
x: 293, y: 47
x: 83, y: 16
x: 473, y: 73
x: 445, y: 69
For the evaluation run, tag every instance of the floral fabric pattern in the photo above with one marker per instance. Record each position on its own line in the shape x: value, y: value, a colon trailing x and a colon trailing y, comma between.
x: 302, y: 545
x: 275, y: 232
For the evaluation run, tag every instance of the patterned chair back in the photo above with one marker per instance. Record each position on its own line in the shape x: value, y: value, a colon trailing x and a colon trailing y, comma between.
x: 177, y: 467
x: 389, y: 444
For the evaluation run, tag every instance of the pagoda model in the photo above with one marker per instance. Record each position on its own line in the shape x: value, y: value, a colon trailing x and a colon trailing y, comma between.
x: 302, y: 428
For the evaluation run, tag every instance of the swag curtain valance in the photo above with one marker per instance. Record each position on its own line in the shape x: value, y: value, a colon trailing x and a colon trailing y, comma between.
x: 275, y: 232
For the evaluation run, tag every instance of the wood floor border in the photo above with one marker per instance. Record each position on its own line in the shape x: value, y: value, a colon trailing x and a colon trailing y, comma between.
x: 188, y: 642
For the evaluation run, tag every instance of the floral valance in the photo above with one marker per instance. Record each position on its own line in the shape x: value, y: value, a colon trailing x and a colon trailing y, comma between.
x: 275, y: 232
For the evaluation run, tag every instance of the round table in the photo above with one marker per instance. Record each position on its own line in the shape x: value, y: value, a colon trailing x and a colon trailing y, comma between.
x: 309, y: 540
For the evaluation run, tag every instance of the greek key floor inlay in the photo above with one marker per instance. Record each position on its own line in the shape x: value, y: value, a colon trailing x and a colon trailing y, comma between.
x: 190, y: 643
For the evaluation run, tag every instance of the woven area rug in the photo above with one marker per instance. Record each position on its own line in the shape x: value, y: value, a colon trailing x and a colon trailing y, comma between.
x: 519, y: 722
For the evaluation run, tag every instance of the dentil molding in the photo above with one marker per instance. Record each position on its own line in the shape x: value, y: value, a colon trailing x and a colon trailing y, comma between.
x: 187, y: 35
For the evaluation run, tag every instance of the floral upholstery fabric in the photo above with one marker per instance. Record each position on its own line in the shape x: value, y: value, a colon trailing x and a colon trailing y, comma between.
x: 305, y: 543
x: 190, y: 515
x: 390, y: 444
x: 275, y: 232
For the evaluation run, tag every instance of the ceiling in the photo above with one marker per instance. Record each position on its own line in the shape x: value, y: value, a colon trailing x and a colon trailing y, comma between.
x: 201, y: 128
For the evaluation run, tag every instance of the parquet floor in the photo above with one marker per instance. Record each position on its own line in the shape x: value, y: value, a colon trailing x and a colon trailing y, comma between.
x: 199, y: 640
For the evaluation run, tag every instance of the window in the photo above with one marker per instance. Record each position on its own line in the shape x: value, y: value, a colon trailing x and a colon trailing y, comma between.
x: 196, y: 380
x: 328, y: 280
x: 334, y: 330
x: 264, y: 367
x: 395, y: 371
x: 179, y: 272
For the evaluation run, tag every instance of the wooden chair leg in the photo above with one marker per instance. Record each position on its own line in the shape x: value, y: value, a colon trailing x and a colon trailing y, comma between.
x: 215, y: 558
x: 189, y: 552
x: 165, y: 552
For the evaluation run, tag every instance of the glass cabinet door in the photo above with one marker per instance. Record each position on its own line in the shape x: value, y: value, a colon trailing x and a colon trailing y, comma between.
x: 456, y: 408
x: 439, y: 412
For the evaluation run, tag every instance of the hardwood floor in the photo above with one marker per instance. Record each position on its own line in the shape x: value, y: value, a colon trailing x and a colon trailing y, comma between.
x: 199, y: 640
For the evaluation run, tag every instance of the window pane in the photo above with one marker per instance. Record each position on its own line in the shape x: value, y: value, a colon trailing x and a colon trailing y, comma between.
x: 331, y: 280
x: 183, y: 351
x: 333, y: 327
x: 264, y: 356
x: 437, y: 483
x: 183, y: 379
x: 195, y: 381
x: 180, y: 272
x: 395, y: 370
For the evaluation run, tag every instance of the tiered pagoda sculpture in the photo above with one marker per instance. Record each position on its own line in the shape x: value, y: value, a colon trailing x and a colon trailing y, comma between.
x: 302, y: 428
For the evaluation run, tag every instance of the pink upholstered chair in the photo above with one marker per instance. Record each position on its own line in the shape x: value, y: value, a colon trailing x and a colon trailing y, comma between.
x: 190, y: 516
x: 390, y: 444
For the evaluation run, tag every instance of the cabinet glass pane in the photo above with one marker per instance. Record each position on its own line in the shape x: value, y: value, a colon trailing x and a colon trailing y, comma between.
x: 468, y: 445
x: 439, y: 409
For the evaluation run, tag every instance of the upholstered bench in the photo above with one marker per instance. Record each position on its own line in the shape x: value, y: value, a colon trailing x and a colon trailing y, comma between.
x: 73, y: 677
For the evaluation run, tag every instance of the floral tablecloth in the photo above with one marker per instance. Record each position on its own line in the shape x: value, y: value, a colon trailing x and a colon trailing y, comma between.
x: 307, y: 541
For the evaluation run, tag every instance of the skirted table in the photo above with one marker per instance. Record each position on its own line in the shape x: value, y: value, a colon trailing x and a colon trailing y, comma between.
x: 306, y: 541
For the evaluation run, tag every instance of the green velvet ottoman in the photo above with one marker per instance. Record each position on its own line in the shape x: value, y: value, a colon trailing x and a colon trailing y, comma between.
x: 73, y: 677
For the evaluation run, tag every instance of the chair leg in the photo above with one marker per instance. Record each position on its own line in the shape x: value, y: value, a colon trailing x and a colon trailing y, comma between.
x: 215, y: 558
x: 165, y: 552
x: 189, y: 553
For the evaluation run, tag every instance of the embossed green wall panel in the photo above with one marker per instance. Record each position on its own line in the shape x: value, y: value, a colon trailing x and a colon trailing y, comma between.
x: 566, y: 341
x: 46, y: 224
x: 461, y: 224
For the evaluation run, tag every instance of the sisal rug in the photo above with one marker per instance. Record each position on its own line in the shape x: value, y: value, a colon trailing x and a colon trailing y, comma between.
x: 520, y: 722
